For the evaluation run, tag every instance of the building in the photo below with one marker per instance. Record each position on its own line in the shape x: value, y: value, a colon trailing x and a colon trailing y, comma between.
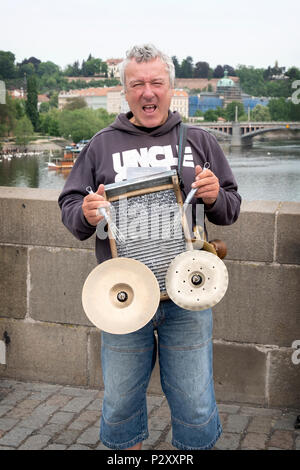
x: 227, y: 90
x: 180, y: 102
x: 230, y: 90
x: 18, y: 94
x: 108, y: 98
x: 114, y: 101
x: 204, y: 101
x: 115, y: 97
x: 250, y: 102
x: 112, y: 67
x: 85, y: 79
x: 94, y: 97
x: 204, y: 84
x: 2, y: 92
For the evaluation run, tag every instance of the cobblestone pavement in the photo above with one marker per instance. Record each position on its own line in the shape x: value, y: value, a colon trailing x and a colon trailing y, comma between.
x: 37, y: 416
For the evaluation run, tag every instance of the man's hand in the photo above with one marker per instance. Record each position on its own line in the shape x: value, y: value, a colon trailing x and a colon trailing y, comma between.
x: 208, y: 185
x: 91, y: 203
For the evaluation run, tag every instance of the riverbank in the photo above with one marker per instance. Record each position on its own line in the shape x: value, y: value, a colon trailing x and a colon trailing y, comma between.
x: 37, y: 145
x: 46, y: 143
x: 291, y: 134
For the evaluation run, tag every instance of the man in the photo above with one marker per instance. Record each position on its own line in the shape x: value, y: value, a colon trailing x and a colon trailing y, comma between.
x: 148, y: 136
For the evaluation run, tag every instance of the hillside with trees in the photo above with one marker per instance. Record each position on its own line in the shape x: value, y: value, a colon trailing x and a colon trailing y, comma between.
x: 78, y: 122
x: 269, y: 82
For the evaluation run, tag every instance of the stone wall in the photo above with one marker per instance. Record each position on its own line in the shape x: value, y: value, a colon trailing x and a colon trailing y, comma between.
x: 43, y: 267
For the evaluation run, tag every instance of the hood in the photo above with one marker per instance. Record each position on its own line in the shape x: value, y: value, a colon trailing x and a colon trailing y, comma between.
x: 122, y: 123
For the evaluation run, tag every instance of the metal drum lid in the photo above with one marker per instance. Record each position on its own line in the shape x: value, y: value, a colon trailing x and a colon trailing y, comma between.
x: 196, y: 280
x: 120, y: 295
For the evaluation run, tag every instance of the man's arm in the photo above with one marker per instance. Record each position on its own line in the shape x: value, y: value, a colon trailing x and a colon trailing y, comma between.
x: 217, y: 186
x: 78, y: 208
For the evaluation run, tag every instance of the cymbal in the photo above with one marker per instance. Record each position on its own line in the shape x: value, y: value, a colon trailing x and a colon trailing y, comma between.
x: 120, y: 295
x: 196, y: 280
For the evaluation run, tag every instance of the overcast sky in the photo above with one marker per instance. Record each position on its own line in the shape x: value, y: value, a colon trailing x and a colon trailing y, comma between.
x: 257, y: 32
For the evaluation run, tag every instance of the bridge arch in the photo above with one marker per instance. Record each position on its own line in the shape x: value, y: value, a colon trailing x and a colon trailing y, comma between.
x: 268, y: 129
x: 241, y: 133
x: 217, y: 133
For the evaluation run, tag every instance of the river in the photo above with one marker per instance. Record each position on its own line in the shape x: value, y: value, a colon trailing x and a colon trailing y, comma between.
x: 267, y: 171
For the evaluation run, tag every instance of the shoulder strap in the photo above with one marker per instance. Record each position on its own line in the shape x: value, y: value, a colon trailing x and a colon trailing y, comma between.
x: 181, y: 145
x: 181, y: 148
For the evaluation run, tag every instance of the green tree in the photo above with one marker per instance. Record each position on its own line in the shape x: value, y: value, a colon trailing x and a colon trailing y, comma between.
x: 83, y: 123
x: 294, y: 114
x: 278, y: 88
x: 293, y: 73
x: 177, y: 66
x: 260, y: 113
x: 93, y: 66
x: 20, y: 110
x: 187, y: 68
x: 251, y: 80
x: 79, y: 124
x: 230, y: 70
x: 32, y: 60
x: 221, y: 112
x: 47, y: 83
x: 279, y: 109
x: 47, y: 68
x: 75, y: 103
x: 23, y: 131
x: 76, y: 84
x: 54, y: 128
x: 7, y: 116
x: 25, y: 69
x: 201, y: 70
x: 53, y: 100
x: 51, y: 82
x: 7, y: 65
x: 45, y: 122
x: 218, y: 72
x: 282, y: 109
x: 44, y: 107
x: 230, y: 110
x: 104, y: 69
x: 210, y: 115
x: 104, y: 119
x: 73, y: 70
x: 49, y: 122
x: 31, y: 102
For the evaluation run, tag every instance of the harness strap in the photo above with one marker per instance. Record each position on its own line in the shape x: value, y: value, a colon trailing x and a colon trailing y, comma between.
x: 181, y: 147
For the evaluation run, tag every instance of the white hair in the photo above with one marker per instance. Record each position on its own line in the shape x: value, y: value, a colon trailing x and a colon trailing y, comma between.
x: 146, y: 53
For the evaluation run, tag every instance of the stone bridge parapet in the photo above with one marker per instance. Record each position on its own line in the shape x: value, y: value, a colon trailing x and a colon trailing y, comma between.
x: 43, y: 268
x: 241, y: 133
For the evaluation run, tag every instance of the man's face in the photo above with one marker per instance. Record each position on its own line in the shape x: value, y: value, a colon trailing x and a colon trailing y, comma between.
x: 148, y: 92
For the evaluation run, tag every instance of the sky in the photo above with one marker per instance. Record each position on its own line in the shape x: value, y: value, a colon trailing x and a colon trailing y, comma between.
x: 255, y: 33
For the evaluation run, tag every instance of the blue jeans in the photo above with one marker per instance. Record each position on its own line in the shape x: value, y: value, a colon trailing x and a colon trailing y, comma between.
x: 185, y: 359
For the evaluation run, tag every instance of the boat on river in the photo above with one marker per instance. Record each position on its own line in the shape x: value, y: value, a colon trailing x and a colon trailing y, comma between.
x: 71, y: 153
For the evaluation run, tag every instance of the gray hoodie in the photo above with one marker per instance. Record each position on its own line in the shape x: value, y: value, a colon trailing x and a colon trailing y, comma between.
x: 105, y: 159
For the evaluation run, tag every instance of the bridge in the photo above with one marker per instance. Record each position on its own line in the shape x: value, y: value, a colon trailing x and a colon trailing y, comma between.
x: 240, y: 134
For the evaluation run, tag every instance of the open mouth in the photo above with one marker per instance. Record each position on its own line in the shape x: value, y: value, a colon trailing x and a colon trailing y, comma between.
x: 149, y: 108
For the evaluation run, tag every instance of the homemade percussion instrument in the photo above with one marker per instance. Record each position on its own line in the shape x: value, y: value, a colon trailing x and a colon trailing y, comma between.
x: 153, y: 257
